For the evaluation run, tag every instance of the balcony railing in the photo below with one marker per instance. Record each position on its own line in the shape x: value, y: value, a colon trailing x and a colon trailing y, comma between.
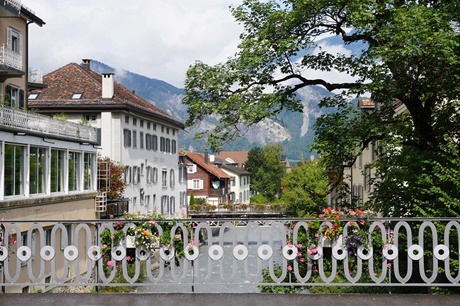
x: 16, y: 118
x: 400, y: 252
x: 10, y: 58
x: 35, y: 76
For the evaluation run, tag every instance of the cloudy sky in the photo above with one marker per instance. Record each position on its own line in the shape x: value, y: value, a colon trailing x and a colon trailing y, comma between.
x: 155, y: 38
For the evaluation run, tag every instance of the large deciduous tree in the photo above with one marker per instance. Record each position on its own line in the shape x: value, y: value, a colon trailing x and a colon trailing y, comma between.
x: 266, y: 170
x: 410, y: 57
x: 305, y: 189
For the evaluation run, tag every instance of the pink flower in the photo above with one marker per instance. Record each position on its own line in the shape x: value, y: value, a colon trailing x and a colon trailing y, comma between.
x: 299, y: 254
x: 177, y: 236
x: 112, y: 237
x: 302, y: 259
x: 299, y: 245
x: 104, y: 246
x: 289, y: 268
x: 128, y: 258
x: 316, y: 235
x: 110, y: 263
x: 111, y: 216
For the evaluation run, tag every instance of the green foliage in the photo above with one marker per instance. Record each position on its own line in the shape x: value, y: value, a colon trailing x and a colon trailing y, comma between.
x: 409, y: 61
x: 192, y: 199
x: 259, y: 199
x: 115, y: 186
x: 266, y: 170
x: 7, y: 100
x: 61, y: 116
x: 305, y: 189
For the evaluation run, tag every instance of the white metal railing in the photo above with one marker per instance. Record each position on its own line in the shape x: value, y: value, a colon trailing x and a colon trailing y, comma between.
x: 28, y: 121
x: 14, y: 3
x: 400, y: 252
x: 35, y: 76
x: 10, y: 58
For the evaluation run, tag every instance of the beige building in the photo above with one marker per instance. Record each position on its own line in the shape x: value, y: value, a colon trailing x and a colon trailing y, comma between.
x: 48, y: 172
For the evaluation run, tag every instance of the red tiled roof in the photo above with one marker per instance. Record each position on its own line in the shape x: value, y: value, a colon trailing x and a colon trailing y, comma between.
x: 239, y: 157
x: 73, y: 78
x: 198, y: 159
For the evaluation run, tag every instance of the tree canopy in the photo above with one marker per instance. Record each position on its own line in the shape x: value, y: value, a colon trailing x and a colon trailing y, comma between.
x: 410, y: 57
x: 305, y: 189
x: 266, y: 170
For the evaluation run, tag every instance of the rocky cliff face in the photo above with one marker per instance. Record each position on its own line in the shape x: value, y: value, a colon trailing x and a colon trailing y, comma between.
x: 293, y: 130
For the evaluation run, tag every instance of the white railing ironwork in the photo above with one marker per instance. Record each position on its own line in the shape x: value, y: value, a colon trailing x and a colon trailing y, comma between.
x: 10, y: 58
x: 420, y: 252
x: 35, y: 76
x: 14, y: 3
x: 16, y: 118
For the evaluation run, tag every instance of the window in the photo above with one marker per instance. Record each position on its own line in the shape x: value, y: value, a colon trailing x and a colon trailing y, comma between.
x: 172, y: 178
x: 128, y: 175
x: 73, y: 170
x: 154, y: 126
x: 134, y: 139
x: 148, y: 125
x: 172, y: 205
x: 126, y: 119
x: 191, y: 168
x: 195, y: 184
x: 155, y: 143
x: 37, y: 162
x: 127, y: 138
x: 164, y: 178
x: 14, y: 40
x: 76, y: 95
x: 174, y: 132
x: 14, y: 172
x: 162, y: 129
x: 57, y: 170
x: 134, y: 121
x: 168, y: 145
x: 88, y: 171
x: 141, y: 140
x: 173, y: 147
x: 164, y: 204
x: 162, y: 144
x: 16, y: 96
x: 48, y: 236
x: 182, y: 174
x: 141, y: 123
x: 149, y: 175
x: 155, y: 175
x: 136, y: 175
x: 167, y: 131
x: 148, y: 142
x: 33, y: 96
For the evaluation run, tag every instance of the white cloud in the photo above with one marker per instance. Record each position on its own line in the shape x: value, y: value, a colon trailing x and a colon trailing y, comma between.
x: 155, y: 38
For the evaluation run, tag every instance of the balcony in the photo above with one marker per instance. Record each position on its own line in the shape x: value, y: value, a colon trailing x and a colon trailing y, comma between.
x: 10, y: 62
x: 18, y: 120
x: 12, y: 6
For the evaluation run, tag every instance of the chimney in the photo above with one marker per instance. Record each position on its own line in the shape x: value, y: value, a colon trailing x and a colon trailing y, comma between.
x: 206, y: 156
x: 107, y: 85
x: 86, y: 64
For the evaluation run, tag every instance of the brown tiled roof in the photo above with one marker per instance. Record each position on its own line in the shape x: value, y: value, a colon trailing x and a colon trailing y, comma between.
x: 239, y: 157
x: 73, y: 78
x: 198, y: 159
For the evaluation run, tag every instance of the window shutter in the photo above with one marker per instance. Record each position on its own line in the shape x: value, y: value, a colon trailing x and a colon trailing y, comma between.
x: 20, y: 43
x: 190, y: 184
x: 201, y: 184
x: 9, y: 42
x: 21, y: 98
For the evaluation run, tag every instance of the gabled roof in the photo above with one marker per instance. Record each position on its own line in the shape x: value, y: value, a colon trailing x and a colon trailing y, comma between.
x: 73, y: 78
x: 198, y: 159
x: 239, y: 157
x: 234, y: 169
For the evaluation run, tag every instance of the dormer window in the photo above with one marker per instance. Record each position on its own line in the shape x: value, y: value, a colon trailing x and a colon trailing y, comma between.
x: 33, y: 96
x: 77, y: 95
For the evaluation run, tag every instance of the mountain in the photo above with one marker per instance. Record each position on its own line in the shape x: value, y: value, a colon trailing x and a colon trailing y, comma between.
x: 295, y: 131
